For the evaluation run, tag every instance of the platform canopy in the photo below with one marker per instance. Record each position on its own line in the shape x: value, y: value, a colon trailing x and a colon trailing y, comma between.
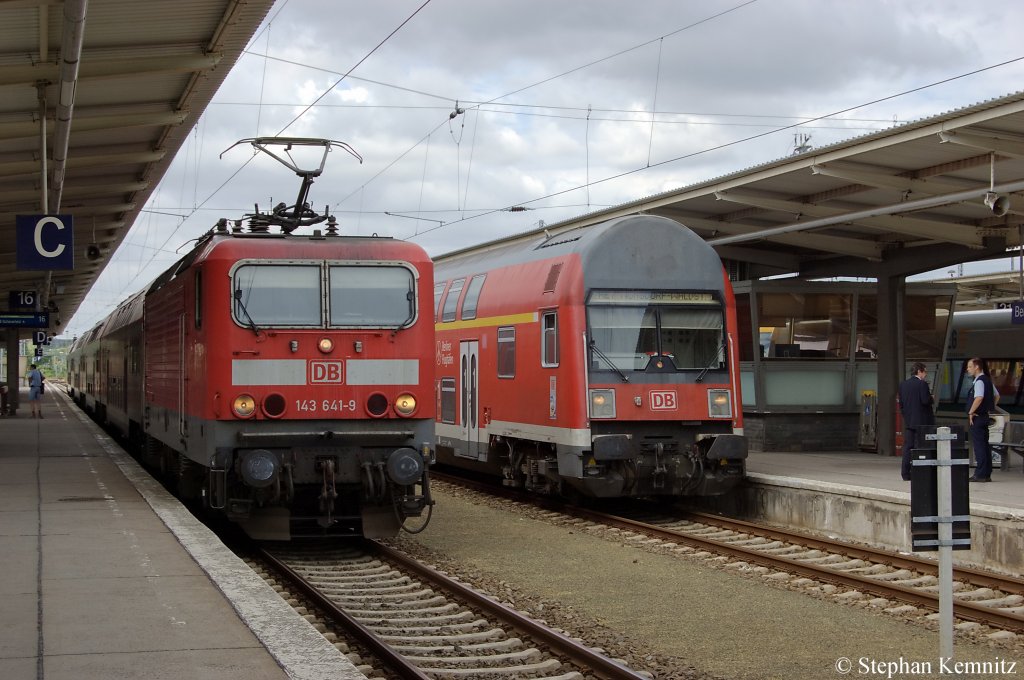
x: 903, y: 201
x: 120, y: 84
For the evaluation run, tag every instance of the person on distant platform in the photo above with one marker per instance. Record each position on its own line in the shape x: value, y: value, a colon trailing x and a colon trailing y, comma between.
x: 980, y: 405
x: 916, y: 409
x: 35, y: 380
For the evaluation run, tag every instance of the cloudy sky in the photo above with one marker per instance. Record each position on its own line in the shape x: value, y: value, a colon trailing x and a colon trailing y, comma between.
x: 472, y: 107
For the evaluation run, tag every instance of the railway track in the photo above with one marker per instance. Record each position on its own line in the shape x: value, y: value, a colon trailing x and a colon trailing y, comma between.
x: 981, y: 597
x: 422, y: 624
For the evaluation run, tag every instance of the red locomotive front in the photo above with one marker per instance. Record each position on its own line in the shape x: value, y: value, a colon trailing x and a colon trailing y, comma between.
x: 284, y: 380
x: 289, y: 371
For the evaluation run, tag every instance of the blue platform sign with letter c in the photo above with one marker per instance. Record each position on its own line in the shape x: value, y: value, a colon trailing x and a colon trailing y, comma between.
x: 45, y: 242
x: 1017, y: 315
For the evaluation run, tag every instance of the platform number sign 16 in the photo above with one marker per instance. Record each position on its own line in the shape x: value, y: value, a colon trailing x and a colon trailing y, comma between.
x: 23, y: 300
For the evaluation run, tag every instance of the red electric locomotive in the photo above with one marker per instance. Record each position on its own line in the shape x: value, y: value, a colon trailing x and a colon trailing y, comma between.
x: 284, y: 380
x: 600, y: 361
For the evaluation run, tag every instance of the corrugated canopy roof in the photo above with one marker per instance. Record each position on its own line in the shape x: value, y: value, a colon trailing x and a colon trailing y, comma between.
x: 139, y: 75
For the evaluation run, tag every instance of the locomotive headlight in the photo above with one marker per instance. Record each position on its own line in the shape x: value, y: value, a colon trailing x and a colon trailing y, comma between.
x: 405, y: 405
x: 719, y: 404
x: 244, y: 405
x: 258, y: 467
x: 602, y: 403
x: 326, y: 345
x: 405, y: 466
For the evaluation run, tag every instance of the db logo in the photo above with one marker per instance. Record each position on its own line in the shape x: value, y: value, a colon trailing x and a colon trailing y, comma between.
x: 664, y: 400
x: 325, y: 372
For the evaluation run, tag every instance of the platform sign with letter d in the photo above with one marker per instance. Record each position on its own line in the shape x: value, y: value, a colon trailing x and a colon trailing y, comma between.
x: 45, y: 242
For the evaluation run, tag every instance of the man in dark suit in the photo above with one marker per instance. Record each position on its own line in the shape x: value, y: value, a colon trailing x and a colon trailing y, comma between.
x: 916, y: 409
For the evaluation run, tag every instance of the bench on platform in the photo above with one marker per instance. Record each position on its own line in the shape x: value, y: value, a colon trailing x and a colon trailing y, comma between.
x: 1013, y: 441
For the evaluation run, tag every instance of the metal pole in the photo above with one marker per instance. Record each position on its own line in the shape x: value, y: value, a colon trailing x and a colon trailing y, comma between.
x: 945, y: 514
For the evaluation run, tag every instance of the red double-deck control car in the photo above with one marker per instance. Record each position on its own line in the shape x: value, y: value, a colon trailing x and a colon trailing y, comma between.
x: 600, y: 361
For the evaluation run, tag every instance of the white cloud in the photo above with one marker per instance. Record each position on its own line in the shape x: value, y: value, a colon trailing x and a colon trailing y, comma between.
x: 718, y: 86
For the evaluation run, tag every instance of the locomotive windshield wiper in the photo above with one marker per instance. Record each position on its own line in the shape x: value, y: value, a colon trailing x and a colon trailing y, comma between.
x: 714, y: 359
x: 241, y: 305
x: 598, y: 352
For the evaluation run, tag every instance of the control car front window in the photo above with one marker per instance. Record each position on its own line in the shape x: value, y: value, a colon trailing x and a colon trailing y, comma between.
x: 372, y: 296
x: 629, y: 337
x: 277, y: 295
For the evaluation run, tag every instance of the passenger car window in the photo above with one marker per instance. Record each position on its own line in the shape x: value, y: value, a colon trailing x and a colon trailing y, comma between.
x: 507, y: 352
x: 549, y: 339
x: 452, y: 301
x: 476, y: 284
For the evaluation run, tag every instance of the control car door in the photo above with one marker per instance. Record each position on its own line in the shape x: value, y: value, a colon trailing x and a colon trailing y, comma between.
x: 469, y: 405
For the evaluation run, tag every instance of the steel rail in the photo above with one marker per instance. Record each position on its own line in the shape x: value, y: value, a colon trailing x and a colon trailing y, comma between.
x: 388, y: 656
x: 580, y: 654
x: 963, y: 609
x: 975, y: 577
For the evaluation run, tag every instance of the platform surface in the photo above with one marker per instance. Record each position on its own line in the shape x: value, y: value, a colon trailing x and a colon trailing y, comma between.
x: 107, y: 576
x: 1006, y: 490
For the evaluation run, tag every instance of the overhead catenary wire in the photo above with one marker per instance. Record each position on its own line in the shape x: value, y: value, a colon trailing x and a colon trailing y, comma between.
x: 725, y: 145
x: 561, y: 75
x: 290, y: 123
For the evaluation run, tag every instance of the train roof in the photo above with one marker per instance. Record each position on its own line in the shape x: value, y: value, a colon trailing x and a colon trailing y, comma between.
x: 635, y: 251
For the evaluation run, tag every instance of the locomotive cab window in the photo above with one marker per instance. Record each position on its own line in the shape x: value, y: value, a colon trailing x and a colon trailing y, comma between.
x: 292, y: 295
x: 638, y: 330
x: 372, y: 296
x: 277, y: 295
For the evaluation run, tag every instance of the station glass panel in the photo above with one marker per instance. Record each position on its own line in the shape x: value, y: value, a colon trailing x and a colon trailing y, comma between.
x: 926, y: 318
x: 803, y: 388
x: 805, y: 325
x: 364, y: 296
x: 277, y: 295
x: 744, y: 331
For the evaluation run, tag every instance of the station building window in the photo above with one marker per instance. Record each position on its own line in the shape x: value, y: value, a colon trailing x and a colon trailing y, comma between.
x: 926, y: 318
x: 804, y: 325
x: 744, y: 330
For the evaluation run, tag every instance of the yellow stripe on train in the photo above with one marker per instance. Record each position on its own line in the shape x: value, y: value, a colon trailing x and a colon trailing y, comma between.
x: 507, y: 320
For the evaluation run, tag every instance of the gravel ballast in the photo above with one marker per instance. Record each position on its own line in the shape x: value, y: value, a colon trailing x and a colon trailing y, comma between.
x: 680, y: 615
